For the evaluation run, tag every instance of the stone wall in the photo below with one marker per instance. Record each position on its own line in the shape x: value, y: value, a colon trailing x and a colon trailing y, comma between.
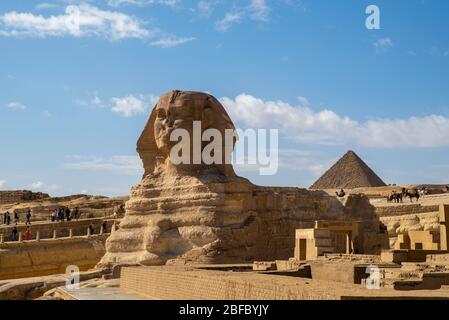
x: 20, y: 196
x: 79, y: 228
x: 181, y: 284
x: 46, y: 257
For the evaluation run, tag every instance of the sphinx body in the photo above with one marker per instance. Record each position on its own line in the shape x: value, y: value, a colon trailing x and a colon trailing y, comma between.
x: 205, y: 213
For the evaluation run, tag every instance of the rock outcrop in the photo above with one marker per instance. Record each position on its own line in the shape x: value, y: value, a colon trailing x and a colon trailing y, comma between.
x: 205, y: 213
x: 20, y: 196
x: 88, y: 206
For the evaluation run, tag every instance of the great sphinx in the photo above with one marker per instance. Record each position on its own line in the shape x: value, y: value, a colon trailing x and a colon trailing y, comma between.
x: 206, y: 213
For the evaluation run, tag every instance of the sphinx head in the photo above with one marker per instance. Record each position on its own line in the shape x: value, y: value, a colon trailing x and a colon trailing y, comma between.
x: 182, y: 110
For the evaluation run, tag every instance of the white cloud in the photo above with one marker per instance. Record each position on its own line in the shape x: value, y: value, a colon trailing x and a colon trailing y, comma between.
x: 47, y: 114
x: 78, y: 21
x: 129, y: 165
x: 3, y: 183
x: 229, y: 19
x: 171, y: 42
x: 16, y: 105
x: 206, y: 7
x: 46, y: 6
x: 383, y: 43
x: 259, y: 10
x: 132, y: 105
x: 301, y: 123
x: 94, y: 101
x: 42, y: 186
x: 117, y: 3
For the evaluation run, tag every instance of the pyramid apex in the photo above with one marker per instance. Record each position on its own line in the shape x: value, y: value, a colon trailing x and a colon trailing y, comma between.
x: 348, y: 172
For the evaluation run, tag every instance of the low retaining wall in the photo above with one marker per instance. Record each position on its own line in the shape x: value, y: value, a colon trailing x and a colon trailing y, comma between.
x: 404, y: 209
x: 46, y: 257
x: 78, y: 227
x: 179, y: 284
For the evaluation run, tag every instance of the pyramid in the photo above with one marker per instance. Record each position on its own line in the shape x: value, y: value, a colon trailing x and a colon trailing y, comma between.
x: 347, y: 173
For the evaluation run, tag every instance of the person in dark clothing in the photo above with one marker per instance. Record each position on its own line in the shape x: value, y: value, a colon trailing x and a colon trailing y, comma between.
x: 341, y: 194
x: 61, y: 214
x: 8, y: 218
x: 5, y: 217
x: 16, y: 217
x: 104, y: 226
x: 67, y: 214
x: 28, y: 216
x: 91, y: 228
x: 76, y: 213
x: 14, y: 233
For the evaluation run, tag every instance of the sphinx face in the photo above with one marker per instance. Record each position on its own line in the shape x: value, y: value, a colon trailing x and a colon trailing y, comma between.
x: 170, y: 117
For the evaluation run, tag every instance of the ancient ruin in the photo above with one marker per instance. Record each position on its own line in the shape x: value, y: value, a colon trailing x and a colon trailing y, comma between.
x: 348, y: 173
x: 185, y: 226
x: 206, y: 213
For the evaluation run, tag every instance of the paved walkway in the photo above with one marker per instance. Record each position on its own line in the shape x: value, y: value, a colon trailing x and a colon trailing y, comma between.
x: 101, y: 294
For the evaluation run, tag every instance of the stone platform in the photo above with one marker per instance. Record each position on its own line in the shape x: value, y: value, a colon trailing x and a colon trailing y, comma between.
x: 186, y: 283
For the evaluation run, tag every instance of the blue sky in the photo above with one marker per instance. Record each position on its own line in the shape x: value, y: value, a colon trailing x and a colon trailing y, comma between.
x: 73, y: 101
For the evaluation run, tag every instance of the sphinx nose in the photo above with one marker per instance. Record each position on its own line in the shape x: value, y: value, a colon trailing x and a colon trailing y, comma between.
x: 170, y: 119
x: 170, y: 122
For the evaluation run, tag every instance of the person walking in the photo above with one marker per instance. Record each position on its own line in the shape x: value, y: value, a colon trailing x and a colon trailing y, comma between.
x: 76, y: 213
x: 27, y: 234
x: 16, y: 216
x: 61, y: 214
x: 4, y: 216
x: 91, y: 228
x: 28, y: 216
x: 8, y: 218
x: 14, y: 233
x: 67, y: 214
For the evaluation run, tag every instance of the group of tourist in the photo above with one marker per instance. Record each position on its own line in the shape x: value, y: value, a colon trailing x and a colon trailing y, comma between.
x: 7, y: 218
x: 57, y: 215
x: 15, y: 231
x: 62, y: 214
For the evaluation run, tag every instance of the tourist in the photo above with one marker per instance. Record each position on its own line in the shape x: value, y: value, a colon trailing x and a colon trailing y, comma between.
x: 14, y: 233
x: 8, y: 218
x: 67, y: 214
x: 341, y: 194
x: 104, y: 226
x: 53, y: 215
x: 27, y: 234
x: 61, y: 214
x: 28, y: 216
x: 91, y: 228
x: 76, y: 213
x: 4, y: 216
x: 16, y: 217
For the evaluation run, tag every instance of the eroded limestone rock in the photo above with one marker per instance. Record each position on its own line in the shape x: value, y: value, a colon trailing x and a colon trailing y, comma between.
x: 206, y: 213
